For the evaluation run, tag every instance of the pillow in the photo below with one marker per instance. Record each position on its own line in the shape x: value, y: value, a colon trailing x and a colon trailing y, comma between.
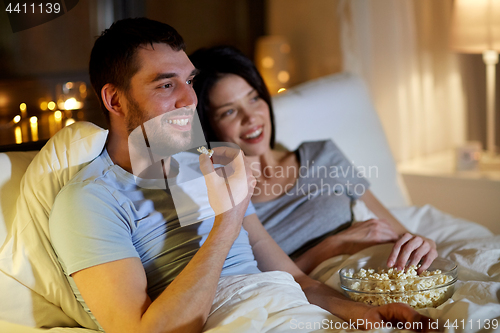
x: 30, y: 275
x: 13, y: 165
x: 339, y: 107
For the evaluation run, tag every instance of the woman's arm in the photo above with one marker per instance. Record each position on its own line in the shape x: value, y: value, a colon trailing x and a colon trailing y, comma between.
x: 357, y: 237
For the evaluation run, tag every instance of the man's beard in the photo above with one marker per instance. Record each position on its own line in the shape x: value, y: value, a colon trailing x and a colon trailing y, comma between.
x: 155, y: 132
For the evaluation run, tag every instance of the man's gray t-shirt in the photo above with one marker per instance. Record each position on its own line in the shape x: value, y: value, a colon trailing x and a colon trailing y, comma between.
x: 320, y: 202
x: 102, y: 215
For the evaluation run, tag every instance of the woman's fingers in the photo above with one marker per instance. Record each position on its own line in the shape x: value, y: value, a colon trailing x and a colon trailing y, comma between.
x: 412, y: 249
x: 427, y: 260
x: 406, y: 251
x: 419, y: 253
x: 394, y: 255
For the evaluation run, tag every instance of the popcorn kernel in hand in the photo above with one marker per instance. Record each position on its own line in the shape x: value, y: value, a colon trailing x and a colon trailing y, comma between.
x: 206, y: 151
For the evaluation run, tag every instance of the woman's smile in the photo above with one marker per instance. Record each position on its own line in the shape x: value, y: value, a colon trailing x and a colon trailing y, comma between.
x: 240, y: 115
x: 254, y: 135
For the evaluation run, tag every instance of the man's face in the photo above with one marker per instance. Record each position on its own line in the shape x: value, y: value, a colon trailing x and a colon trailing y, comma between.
x: 161, y: 97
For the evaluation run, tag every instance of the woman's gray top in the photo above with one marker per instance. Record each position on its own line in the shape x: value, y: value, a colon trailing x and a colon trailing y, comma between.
x: 319, y: 203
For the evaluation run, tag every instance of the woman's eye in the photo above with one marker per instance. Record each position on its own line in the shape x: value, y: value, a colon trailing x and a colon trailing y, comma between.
x: 227, y: 113
x: 189, y: 81
x: 255, y: 99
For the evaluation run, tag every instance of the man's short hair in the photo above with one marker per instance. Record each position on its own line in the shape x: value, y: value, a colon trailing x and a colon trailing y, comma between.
x: 113, y: 58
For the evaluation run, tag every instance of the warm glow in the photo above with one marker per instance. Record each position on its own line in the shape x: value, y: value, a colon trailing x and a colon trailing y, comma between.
x: 281, y: 90
x: 267, y: 62
x: 83, y: 88
x: 16, y: 119
x: 283, y: 76
x: 285, y: 48
x: 3, y: 100
x: 51, y: 105
x: 22, y: 107
x: 69, y: 85
x: 69, y: 121
x: 43, y: 106
x: 58, y: 115
x: 19, y: 134
x: 34, y: 128
x: 70, y: 104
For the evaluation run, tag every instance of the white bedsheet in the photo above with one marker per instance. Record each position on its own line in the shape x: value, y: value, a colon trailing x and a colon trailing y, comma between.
x: 272, y: 302
x: 474, y: 248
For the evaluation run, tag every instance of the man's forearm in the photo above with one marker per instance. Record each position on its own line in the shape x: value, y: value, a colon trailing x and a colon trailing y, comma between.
x: 331, y: 300
x: 185, y: 304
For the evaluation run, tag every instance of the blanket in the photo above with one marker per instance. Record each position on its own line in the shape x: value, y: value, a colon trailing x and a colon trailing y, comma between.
x: 273, y: 302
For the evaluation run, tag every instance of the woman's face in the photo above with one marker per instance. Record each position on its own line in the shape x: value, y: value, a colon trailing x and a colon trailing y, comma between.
x: 239, y: 115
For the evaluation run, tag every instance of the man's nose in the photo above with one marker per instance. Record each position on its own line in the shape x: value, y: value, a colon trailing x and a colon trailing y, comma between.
x: 186, y: 96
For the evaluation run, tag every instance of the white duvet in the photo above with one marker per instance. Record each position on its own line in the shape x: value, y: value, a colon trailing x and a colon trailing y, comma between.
x: 273, y: 302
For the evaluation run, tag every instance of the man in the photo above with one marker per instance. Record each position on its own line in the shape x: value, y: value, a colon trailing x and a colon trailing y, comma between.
x: 128, y: 259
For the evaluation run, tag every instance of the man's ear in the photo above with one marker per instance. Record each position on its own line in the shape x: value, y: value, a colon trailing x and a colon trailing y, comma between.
x: 112, y: 99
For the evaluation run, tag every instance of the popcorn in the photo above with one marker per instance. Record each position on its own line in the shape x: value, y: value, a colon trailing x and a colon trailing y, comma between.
x: 206, y: 151
x: 418, y: 291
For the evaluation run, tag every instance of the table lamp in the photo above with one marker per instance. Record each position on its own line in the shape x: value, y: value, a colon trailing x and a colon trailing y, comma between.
x: 475, y: 28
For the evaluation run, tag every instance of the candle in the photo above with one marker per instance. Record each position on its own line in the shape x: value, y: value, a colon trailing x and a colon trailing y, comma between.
x: 34, y: 128
x: 19, y: 134
x: 23, y: 109
x: 58, y: 118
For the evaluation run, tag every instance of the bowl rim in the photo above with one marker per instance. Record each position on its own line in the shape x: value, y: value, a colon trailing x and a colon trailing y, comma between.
x: 452, y: 271
x: 406, y: 292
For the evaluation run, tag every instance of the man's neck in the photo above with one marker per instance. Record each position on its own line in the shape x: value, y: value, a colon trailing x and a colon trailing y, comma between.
x: 118, y: 150
x: 119, y: 153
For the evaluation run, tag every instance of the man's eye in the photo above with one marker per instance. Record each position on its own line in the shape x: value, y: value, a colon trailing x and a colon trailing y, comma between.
x: 189, y: 81
x: 166, y: 85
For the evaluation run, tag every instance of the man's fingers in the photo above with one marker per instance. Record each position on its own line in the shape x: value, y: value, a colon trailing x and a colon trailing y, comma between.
x: 224, y: 155
x: 206, y: 165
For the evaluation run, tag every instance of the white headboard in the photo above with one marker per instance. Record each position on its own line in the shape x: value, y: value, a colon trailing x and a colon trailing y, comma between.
x: 339, y: 107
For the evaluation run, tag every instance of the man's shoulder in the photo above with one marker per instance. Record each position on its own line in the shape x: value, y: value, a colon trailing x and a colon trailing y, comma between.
x: 90, y: 179
x: 95, y: 169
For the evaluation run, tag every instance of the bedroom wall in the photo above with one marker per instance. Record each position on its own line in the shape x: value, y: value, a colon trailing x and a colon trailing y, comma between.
x: 313, y: 31
x: 59, y: 49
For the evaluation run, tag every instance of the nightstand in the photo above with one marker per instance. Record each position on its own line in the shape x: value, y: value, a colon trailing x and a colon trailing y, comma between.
x: 472, y: 195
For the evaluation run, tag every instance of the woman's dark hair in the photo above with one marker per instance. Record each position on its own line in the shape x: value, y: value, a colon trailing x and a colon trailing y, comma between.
x: 213, y: 64
x: 113, y: 57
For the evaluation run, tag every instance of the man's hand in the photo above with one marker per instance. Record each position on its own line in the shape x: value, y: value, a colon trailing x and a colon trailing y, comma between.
x: 230, y: 185
x: 398, y: 313
x: 411, y: 249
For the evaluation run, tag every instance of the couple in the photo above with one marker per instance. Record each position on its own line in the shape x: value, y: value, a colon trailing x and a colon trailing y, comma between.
x: 128, y: 260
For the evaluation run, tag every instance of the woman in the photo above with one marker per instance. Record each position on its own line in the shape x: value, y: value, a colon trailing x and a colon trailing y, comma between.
x: 234, y: 105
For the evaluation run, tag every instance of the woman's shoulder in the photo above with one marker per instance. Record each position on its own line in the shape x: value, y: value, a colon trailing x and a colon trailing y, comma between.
x: 318, y: 147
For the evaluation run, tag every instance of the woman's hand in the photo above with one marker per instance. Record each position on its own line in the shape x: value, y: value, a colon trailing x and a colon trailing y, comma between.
x: 361, y: 235
x: 413, y: 248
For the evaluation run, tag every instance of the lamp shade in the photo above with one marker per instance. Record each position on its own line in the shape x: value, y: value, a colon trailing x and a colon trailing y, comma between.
x: 475, y: 26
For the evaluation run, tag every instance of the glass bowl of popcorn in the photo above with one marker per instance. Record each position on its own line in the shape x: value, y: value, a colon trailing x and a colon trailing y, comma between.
x: 370, y: 281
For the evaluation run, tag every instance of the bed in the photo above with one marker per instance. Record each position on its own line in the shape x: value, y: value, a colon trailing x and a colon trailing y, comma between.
x: 35, y: 296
